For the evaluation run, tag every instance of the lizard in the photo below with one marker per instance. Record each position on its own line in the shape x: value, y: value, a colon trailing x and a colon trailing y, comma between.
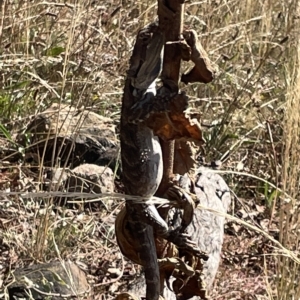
x: 141, y: 158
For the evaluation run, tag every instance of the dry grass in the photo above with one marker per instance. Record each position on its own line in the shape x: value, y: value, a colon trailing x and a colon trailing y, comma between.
x: 77, y: 52
x: 288, y: 271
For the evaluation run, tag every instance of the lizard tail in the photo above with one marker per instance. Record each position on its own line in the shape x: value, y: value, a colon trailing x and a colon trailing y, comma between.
x: 149, y: 257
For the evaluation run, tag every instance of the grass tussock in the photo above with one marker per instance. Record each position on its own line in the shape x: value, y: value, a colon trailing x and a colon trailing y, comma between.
x: 77, y: 52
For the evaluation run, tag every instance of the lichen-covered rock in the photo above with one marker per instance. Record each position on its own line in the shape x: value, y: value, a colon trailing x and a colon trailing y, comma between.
x: 208, y: 227
x: 56, y: 280
x: 86, y: 178
x: 90, y: 178
x: 75, y: 136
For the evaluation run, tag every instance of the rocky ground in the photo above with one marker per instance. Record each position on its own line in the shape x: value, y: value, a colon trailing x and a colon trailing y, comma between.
x: 36, y: 229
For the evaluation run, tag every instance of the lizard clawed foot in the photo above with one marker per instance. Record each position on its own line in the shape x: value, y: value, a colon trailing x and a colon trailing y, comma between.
x: 183, y: 241
x: 184, y: 201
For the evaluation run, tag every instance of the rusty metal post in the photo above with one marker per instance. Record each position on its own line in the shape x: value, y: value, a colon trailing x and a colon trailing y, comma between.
x: 170, y: 13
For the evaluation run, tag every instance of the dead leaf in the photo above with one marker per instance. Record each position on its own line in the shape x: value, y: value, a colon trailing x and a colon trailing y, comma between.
x: 175, y: 124
x: 203, y: 71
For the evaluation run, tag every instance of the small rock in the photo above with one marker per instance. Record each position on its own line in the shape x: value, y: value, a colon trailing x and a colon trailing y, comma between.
x: 75, y: 136
x: 89, y: 178
x: 56, y: 280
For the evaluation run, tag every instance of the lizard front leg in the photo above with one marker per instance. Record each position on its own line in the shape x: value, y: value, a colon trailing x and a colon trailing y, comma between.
x: 176, y: 236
